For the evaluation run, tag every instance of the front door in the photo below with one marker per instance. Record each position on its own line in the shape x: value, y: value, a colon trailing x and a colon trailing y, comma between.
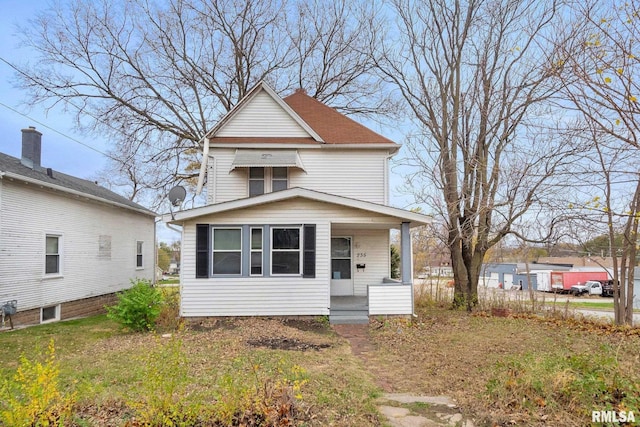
x: 341, y: 277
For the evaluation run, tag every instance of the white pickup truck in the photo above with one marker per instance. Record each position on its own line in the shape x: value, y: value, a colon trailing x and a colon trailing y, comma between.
x: 590, y: 287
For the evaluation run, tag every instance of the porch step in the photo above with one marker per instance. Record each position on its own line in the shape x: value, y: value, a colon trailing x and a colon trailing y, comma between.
x: 348, y: 317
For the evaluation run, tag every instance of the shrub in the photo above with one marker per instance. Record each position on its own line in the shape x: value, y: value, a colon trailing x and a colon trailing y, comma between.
x: 137, y: 307
x: 34, y: 397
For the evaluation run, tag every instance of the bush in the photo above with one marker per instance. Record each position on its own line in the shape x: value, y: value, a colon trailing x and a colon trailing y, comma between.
x: 137, y: 307
x: 34, y: 397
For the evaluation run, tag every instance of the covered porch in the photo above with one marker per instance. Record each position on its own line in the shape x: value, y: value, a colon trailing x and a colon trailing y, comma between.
x: 360, y: 272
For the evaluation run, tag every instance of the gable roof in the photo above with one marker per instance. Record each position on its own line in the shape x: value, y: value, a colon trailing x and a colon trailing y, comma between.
x: 12, y: 167
x: 332, y: 126
x: 415, y: 219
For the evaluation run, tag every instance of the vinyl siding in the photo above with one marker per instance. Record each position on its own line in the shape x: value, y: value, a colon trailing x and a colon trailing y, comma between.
x: 262, y: 117
x: 390, y: 299
x: 29, y: 213
x: 358, y: 174
x: 276, y: 295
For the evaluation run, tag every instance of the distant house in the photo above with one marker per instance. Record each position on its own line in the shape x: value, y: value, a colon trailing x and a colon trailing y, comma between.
x: 298, y: 218
x: 66, y: 244
x: 518, y: 275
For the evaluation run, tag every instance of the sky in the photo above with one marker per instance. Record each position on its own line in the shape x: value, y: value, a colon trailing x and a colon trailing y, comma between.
x: 63, y: 149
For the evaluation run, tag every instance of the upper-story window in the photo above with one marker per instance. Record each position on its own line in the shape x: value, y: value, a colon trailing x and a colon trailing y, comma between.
x: 256, y: 181
x: 266, y: 180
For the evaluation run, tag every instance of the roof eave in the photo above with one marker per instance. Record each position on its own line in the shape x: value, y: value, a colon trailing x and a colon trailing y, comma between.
x: 415, y: 219
x: 62, y: 189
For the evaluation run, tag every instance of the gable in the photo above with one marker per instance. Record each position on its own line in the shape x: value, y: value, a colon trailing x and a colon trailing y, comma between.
x: 262, y: 116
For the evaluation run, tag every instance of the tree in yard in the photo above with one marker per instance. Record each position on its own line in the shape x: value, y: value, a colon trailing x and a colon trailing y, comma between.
x: 164, y: 256
x: 477, y: 77
x: 602, y: 83
x: 153, y: 77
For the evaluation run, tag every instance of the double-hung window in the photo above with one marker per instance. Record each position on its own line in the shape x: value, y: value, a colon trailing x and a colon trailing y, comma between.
x: 256, y: 181
x: 256, y: 251
x: 53, y: 248
x: 265, y: 180
x: 227, y: 251
x: 285, y: 250
x: 139, y: 257
x: 279, y: 179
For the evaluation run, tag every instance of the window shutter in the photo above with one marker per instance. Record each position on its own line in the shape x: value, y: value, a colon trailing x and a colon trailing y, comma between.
x: 202, y: 251
x: 309, y: 256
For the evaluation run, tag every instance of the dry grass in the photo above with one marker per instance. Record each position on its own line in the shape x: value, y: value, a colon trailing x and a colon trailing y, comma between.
x: 446, y: 352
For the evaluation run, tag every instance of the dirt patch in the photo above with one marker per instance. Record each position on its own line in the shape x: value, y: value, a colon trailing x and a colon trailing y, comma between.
x: 283, y: 343
x: 226, y: 324
x: 308, y: 325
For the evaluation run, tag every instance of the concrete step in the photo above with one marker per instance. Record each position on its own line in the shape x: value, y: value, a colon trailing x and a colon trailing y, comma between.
x: 348, y: 320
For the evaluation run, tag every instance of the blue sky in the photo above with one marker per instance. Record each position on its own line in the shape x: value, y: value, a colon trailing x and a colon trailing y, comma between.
x: 58, y: 152
x: 62, y: 147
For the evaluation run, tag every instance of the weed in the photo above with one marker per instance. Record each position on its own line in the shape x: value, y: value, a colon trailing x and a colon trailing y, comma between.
x: 138, y: 307
x: 553, y: 383
x: 34, y: 398
x: 164, y: 379
x: 169, y: 316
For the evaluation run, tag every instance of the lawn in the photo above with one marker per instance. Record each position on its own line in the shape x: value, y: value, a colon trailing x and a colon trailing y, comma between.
x: 501, y: 371
x: 214, y: 364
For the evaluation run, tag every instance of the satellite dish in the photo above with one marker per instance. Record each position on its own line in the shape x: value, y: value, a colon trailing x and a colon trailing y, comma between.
x: 177, y: 195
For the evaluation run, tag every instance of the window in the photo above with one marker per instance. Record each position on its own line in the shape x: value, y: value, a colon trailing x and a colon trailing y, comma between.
x: 256, y: 181
x: 279, y: 179
x: 49, y: 314
x: 265, y: 180
x: 227, y: 251
x: 285, y: 251
x: 52, y: 254
x: 256, y: 251
x: 139, y: 245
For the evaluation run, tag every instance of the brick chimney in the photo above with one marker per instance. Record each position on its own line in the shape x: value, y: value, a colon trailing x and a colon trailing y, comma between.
x: 31, y: 148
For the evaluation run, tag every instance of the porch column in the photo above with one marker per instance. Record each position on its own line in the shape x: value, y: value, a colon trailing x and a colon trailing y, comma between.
x: 405, y: 254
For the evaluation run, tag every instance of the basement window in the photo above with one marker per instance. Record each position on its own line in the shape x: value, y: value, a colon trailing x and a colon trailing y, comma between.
x: 50, y: 314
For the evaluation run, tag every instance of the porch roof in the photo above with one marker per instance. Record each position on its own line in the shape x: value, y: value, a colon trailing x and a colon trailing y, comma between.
x: 414, y: 219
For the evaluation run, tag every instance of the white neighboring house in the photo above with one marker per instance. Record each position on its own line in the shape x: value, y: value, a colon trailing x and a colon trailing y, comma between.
x: 297, y: 217
x: 66, y: 244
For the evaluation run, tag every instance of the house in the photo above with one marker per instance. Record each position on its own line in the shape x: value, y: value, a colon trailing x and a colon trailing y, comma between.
x: 66, y: 244
x: 297, y: 220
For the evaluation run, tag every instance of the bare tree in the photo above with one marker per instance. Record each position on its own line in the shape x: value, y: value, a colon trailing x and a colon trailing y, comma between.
x: 153, y: 77
x: 602, y: 83
x: 477, y: 78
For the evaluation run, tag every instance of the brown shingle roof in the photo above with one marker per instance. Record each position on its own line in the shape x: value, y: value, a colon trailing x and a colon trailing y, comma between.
x: 333, y: 127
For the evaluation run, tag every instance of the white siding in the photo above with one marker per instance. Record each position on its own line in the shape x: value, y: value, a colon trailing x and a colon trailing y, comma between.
x: 262, y: 117
x: 390, y: 299
x: 276, y: 295
x: 359, y: 174
x: 28, y: 213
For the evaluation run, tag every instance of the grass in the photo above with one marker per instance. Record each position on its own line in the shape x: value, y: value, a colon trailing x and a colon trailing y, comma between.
x: 524, y: 370
x: 112, y: 371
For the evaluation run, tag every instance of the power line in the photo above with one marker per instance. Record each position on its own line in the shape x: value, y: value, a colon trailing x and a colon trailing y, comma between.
x: 60, y: 133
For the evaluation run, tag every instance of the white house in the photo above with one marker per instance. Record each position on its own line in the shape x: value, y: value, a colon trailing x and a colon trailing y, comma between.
x: 66, y: 244
x: 297, y: 220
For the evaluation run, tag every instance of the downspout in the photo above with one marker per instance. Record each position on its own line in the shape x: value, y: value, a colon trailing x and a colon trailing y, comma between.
x: 203, y: 165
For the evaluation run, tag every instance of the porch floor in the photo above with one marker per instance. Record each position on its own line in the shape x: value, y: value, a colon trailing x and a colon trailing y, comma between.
x: 349, y: 310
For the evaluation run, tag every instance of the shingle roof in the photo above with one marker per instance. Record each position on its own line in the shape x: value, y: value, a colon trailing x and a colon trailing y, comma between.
x: 10, y: 164
x: 333, y: 127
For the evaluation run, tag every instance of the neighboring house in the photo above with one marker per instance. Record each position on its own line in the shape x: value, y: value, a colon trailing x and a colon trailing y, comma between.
x: 66, y: 244
x: 297, y: 217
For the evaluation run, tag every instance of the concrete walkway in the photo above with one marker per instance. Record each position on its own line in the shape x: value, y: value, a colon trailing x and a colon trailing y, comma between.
x: 402, y: 409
